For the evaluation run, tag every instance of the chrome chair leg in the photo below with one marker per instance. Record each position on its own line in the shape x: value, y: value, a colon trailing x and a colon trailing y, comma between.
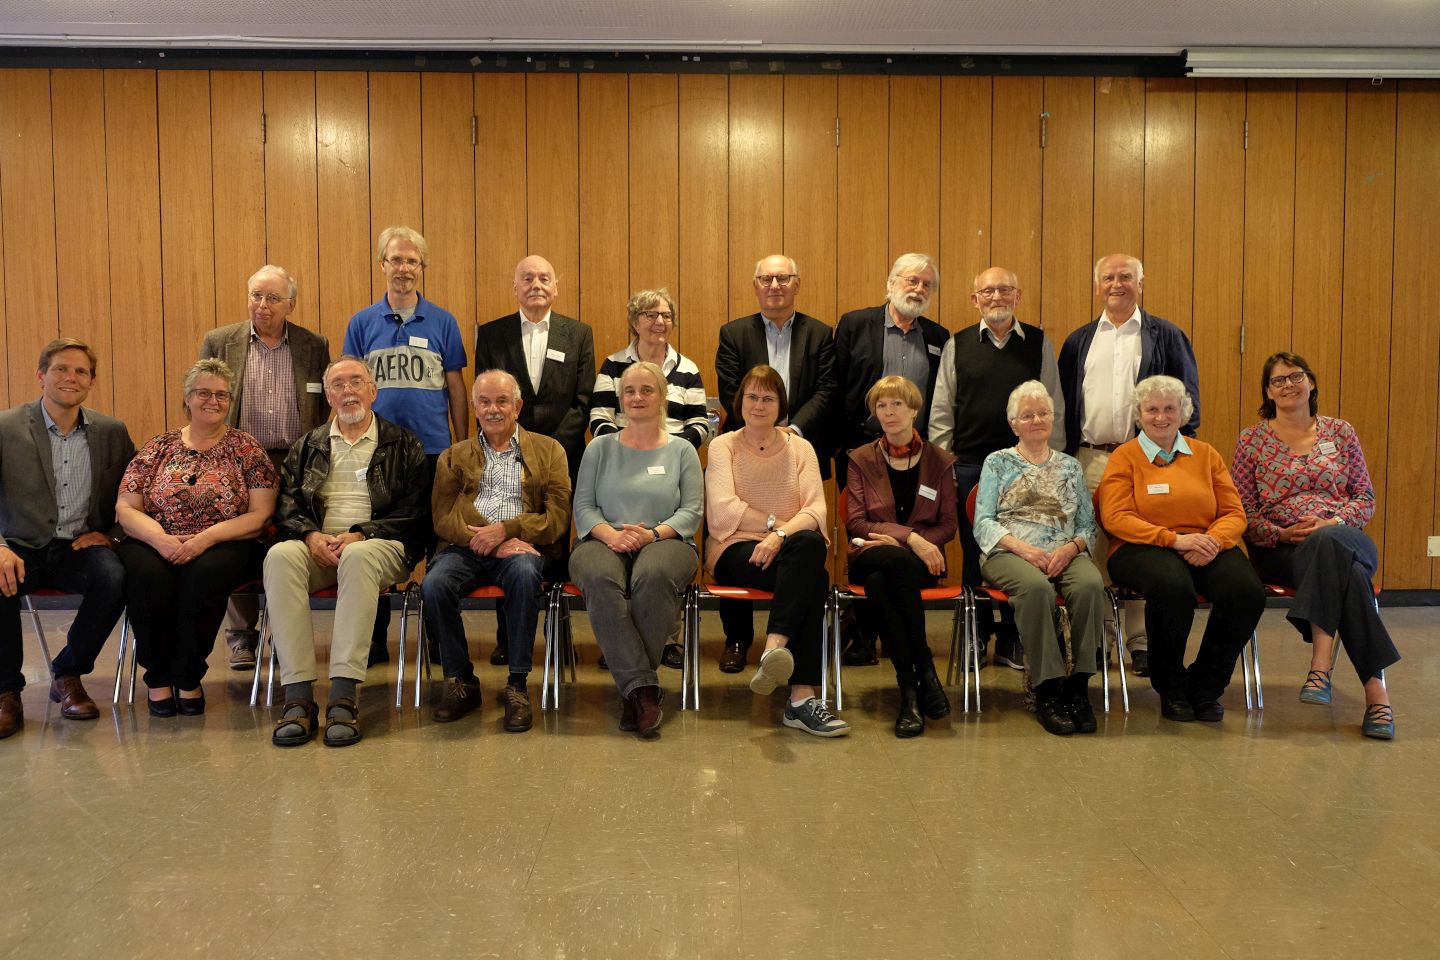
x: 1255, y: 659
x: 422, y: 647
x: 688, y: 639
x: 40, y: 636
x: 549, y: 650
x: 120, y: 655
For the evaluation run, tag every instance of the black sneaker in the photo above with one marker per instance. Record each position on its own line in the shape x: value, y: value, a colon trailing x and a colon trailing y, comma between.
x: 1053, y: 716
x: 1010, y: 652
x: 814, y: 718
x: 1081, y: 713
x: 1140, y: 663
x: 462, y: 694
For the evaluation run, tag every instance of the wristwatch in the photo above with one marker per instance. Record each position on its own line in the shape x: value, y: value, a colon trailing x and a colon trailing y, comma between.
x: 779, y: 533
x: 770, y: 523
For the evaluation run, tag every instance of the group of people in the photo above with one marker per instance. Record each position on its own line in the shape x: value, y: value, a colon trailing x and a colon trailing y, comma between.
x: 984, y: 432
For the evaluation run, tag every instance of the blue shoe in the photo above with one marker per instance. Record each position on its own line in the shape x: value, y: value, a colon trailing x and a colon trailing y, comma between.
x: 1379, y: 722
x: 1316, y: 688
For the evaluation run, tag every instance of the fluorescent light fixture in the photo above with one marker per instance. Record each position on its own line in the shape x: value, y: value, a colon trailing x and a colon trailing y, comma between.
x: 1371, y: 63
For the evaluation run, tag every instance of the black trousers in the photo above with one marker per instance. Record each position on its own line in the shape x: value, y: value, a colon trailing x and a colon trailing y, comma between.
x: 1169, y: 586
x: 1330, y: 571
x: 893, y: 578
x: 798, y: 577
x: 176, y: 611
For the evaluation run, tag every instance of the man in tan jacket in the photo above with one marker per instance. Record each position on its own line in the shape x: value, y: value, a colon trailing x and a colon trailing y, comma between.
x: 501, y: 504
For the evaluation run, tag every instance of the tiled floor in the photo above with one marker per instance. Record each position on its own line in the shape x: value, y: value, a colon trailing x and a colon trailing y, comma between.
x: 1278, y: 835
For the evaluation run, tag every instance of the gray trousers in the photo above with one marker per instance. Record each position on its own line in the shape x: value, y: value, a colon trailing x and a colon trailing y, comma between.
x: 633, y: 600
x: 1033, y: 597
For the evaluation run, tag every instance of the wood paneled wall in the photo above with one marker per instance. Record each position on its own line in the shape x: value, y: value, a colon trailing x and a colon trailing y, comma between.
x: 134, y: 204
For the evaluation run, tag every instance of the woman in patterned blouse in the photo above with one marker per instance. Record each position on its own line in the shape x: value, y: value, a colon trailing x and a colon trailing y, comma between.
x: 192, y: 502
x: 1035, y: 526
x: 1307, y: 495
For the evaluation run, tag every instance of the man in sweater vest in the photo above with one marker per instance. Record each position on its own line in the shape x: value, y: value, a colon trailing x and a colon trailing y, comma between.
x: 979, y: 367
x: 1100, y: 363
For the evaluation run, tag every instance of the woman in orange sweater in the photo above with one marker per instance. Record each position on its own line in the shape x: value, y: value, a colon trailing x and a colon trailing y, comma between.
x: 1175, y: 523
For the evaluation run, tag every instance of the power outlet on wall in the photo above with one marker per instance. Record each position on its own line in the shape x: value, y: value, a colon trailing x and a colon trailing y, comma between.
x: 1432, y: 547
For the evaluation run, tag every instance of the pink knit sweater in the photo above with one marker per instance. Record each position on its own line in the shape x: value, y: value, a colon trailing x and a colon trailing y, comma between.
x: 737, y: 477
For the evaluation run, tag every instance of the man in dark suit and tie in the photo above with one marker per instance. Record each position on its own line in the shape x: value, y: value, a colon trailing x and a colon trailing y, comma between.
x: 279, y: 366
x: 60, y: 469
x: 552, y: 357
x: 802, y: 351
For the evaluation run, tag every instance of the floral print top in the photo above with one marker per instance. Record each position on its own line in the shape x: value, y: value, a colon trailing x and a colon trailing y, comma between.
x: 1278, y: 486
x: 188, y: 491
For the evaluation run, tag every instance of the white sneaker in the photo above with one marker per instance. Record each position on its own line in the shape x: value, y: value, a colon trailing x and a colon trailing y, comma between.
x: 775, y: 669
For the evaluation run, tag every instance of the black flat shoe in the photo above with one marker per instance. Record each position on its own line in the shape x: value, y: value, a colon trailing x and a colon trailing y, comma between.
x: 163, y: 708
x: 1053, y: 716
x: 673, y: 657
x: 1177, y: 708
x: 191, y: 706
x: 1081, y: 713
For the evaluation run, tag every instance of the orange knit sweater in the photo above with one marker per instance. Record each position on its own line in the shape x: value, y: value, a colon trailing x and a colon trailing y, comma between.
x: 1142, y: 503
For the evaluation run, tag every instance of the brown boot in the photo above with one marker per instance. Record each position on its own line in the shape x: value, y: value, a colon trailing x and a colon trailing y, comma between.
x: 518, y: 716
x: 75, y: 703
x: 12, y: 714
x: 647, y: 712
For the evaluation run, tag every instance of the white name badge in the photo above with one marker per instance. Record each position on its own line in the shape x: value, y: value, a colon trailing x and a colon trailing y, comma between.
x: 312, y: 387
x: 656, y: 471
x: 1326, y: 447
x: 1157, y: 488
x: 360, y: 474
x: 927, y: 492
x: 420, y: 342
x: 557, y: 355
x: 934, y: 349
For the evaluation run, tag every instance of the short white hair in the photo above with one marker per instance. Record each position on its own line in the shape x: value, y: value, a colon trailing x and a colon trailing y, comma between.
x: 1132, y: 262
x: 1029, y: 390
x: 1163, y: 386
x: 913, y: 263
x: 270, y: 270
x: 794, y: 267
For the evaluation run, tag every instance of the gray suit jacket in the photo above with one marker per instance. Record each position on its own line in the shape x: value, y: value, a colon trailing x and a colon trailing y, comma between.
x: 309, y: 356
x: 562, y: 409
x: 28, y: 511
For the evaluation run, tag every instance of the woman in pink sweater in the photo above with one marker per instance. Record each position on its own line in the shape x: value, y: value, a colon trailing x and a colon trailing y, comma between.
x: 765, y: 511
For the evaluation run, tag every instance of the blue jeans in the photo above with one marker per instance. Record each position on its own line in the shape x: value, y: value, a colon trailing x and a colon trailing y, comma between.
x: 96, y: 574
x: 455, y: 572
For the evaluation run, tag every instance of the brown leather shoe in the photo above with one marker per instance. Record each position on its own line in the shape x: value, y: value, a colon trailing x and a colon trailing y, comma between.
x: 462, y: 694
x: 75, y: 703
x: 732, y: 658
x: 12, y: 714
x: 647, y: 712
x: 518, y: 716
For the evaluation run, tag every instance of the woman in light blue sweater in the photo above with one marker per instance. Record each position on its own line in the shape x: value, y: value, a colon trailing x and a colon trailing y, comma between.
x: 638, y: 502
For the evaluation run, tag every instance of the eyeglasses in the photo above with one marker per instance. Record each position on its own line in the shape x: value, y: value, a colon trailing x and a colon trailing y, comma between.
x: 766, y: 279
x: 650, y: 316
x: 761, y: 400
x: 354, y: 383
x: 990, y: 293
x: 398, y: 262
x: 1297, y: 377
x: 916, y: 283
x: 220, y: 396
x: 270, y: 299
x: 1032, y: 416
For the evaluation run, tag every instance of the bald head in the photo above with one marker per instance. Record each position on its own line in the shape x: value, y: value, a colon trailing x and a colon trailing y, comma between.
x: 535, y: 287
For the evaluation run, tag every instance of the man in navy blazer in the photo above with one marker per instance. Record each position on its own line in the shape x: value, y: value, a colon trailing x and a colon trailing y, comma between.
x: 894, y: 338
x: 799, y: 347
x: 1100, y: 364
x: 60, y: 470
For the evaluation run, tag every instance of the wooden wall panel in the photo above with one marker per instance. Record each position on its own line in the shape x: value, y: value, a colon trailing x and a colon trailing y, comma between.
x: 552, y: 159
x: 757, y: 183
x: 5, y: 387
x: 1219, y: 257
x: 704, y: 119
x: 396, y: 177
x: 1169, y: 199
x: 1119, y: 166
x: 914, y: 148
x: 342, y: 194
x: 965, y: 190
x: 1319, y: 266
x: 151, y: 402
x: 653, y: 189
x: 291, y: 193
x: 501, y: 230
x: 607, y: 222
x: 1411, y: 516
x: 187, y: 226
x: 237, y: 157
x: 27, y: 205
x: 862, y: 255
x: 82, y: 239
x: 1059, y: 298
x: 1016, y: 182
x: 1269, y: 230
x: 811, y: 108
x: 447, y: 192
x: 1366, y: 297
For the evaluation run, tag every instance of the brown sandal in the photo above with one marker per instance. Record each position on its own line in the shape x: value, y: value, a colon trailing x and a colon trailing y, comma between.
x: 307, y: 723
x: 333, y: 722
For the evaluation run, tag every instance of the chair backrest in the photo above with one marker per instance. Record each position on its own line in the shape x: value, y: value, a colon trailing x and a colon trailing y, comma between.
x: 970, y: 504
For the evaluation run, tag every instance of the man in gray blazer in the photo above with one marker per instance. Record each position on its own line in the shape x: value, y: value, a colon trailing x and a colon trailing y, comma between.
x: 60, y: 470
x: 279, y: 367
x: 552, y: 357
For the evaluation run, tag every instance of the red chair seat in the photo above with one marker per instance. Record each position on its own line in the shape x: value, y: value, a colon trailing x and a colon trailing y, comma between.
x: 722, y: 592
